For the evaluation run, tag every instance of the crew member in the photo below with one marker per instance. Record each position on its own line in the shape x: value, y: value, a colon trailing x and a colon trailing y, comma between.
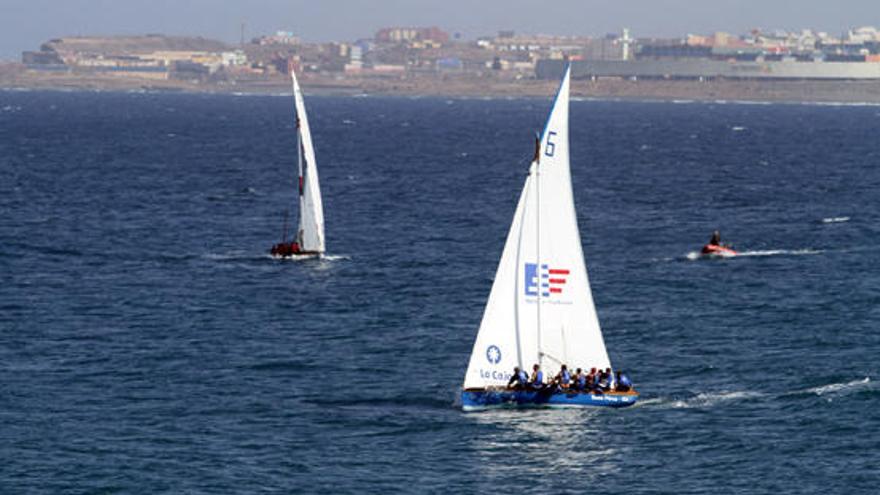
x: 580, y: 380
x: 563, y: 378
x: 593, y: 380
x: 537, y: 380
x: 605, y: 380
x: 519, y: 380
x: 624, y: 384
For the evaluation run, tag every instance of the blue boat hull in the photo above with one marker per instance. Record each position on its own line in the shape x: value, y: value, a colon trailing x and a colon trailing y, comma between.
x: 478, y: 400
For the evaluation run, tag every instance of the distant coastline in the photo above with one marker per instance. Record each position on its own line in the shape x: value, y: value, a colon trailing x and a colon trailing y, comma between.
x: 427, y: 61
x: 14, y: 76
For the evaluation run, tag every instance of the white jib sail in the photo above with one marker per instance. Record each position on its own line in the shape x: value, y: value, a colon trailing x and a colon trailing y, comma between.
x: 540, y: 309
x: 310, y: 235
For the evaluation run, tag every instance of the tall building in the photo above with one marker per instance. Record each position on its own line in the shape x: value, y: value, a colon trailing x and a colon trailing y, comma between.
x: 408, y: 34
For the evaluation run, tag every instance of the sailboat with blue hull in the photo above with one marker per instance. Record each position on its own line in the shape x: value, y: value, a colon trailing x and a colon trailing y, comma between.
x: 540, y: 310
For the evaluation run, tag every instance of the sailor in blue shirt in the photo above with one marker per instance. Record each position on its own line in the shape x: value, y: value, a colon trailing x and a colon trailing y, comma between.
x: 537, y: 381
x: 563, y: 378
x: 624, y: 384
x: 519, y: 380
x: 580, y: 380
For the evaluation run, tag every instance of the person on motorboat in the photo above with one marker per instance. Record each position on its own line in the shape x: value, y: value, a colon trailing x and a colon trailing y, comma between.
x: 716, y: 239
x: 519, y: 380
x: 714, y: 245
x: 563, y: 378
x: 537, y: 380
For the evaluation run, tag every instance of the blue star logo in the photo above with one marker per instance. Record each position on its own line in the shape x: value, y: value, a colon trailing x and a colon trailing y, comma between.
x: 493, y: 354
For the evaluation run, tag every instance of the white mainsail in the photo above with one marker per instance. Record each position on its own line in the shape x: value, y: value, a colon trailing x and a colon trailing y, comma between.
x: 540, y: 309
x: 310, y: 234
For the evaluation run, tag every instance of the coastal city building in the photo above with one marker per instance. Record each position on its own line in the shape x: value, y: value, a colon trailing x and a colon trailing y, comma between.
x: 424, y: 52
x: 804, y: 55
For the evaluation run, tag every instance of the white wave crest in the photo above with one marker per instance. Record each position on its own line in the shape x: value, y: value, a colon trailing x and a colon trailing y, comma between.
x: 840, y: 103
x: 835, y: 220
x: 335, y: 257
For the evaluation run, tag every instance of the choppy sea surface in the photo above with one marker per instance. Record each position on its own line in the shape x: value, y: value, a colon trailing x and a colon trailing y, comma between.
x: 148, y: 344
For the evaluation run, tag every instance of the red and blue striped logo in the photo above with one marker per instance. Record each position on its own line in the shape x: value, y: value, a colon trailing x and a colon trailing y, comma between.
x: 552, y: 280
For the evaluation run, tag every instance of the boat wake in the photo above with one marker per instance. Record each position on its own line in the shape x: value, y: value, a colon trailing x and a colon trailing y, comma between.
x: 842, y: 388
x: 706, y: 400
x: 777, y: 252
x: 697, y: 256
x: 703, y: 400
x: 239, y: 256
x: 305, y: 257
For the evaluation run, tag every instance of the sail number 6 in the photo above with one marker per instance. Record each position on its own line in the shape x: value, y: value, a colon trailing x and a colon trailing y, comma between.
x: 551, y: 146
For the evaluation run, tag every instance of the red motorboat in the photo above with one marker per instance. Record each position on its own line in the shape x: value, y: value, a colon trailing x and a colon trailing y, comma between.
x: 717, y: 250
x: 714, y: 248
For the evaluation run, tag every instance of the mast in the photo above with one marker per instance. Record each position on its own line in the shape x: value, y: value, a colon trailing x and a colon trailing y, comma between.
x: 516, y: 287
x: 302, y: 199
x: 538, y: 268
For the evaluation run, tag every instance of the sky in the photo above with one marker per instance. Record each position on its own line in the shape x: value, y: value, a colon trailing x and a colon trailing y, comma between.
x: 25, y: 24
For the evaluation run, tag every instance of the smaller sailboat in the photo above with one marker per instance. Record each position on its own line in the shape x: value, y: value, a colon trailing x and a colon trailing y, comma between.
x: 540, y: 314
x: 309, y: 239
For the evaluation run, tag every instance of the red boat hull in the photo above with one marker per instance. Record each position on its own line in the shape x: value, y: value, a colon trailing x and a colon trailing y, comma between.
x: 289, y: 249
x: 716, y: 250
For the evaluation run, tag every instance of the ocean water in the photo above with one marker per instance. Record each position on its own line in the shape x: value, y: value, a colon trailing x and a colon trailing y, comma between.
x: 148, y: 344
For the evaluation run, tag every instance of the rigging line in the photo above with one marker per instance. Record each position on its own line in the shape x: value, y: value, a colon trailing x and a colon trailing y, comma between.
x: 553, y: 358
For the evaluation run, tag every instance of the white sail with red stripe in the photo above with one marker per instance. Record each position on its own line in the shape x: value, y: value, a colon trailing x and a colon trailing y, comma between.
x: 310, y: 234
x: 540, y: 309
